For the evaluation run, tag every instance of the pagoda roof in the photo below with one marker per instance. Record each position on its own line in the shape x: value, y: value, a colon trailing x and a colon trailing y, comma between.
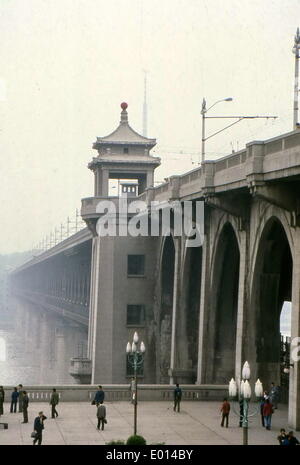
x: 124, y: 134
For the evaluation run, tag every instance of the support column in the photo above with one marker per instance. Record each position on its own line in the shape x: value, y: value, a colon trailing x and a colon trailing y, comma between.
x: 294, y: 390
x: 201, y: 369
x: 241, y: 314
x: 176, y: 294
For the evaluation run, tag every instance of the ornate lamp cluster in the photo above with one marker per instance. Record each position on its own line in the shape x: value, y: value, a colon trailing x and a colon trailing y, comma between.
x: 135, y: 358
x: 242, y: 393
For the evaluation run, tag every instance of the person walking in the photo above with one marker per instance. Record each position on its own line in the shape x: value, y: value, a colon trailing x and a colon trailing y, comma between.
x: 54, y: 400
x: 14, y: 400
x: 267, y: 412
x: 99, y: 396
x: 225, y: 409
x: 25, y: 407
x: 2, y: 397
x: 38, y: 427
x: 177, y: 398
x: 21, y: 395
x: 101, y: 415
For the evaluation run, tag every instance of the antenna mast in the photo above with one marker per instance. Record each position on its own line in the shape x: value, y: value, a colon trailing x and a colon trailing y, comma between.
x: 145, y: 105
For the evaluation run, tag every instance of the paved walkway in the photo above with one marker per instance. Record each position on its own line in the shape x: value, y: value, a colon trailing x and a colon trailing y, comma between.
x: 197, y: 423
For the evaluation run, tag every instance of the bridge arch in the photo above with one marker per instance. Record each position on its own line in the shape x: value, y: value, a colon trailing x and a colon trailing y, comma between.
x: 271, y: 286
x: 223, y: 306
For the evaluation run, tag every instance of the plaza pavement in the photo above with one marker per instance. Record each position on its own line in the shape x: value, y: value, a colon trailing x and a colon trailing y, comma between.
x: 197, y: 423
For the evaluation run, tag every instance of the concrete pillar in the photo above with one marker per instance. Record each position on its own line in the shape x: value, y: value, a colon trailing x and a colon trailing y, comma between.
x: 100, y: 339
x: 204, y: 294
x: 176, y: 295
x: 294, y: 390
x: 241, y: 313
x: 60, y: 355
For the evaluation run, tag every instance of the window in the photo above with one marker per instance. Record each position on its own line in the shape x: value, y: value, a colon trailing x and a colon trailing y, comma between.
x: 136, y: 265
x: 135, y: 315
x: 130, y: 369
x: 125, y: 150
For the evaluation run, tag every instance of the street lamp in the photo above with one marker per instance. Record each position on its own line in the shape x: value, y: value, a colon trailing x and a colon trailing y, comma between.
x: 243, y: 394
x: 296, y: 51
x: 238, y: 118
x: 135, y: 358
x: 204, y: 110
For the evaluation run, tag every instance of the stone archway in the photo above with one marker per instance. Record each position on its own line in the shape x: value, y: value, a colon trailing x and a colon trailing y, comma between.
x: 223, y: 309
x: 272, y: 285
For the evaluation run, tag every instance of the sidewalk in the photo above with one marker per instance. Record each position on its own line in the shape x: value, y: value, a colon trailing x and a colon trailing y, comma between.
x: 197, y: 423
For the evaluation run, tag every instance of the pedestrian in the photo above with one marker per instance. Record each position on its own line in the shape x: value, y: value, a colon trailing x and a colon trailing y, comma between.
x: 133, y: 390
x: 267, y: 412
x: 25, y: 407
x: 2, y: 397
x: 262, y: 403
x: 274, y: 395
x: 177, y: 398
x: 101, y: 415
x: 291, y: 440
x: 38, y: 427
x: 99, y: 396
x: 282, y: 436
x: 21, y: 395
x: 225, y: 409
x: 54, y: 402
x: 14, y: 400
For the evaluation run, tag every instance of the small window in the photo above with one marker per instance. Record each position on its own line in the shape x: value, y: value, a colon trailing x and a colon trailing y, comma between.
x: 125, y: 150
x: 135, y: 315
x: 130, y: 369
x: 136, y: 265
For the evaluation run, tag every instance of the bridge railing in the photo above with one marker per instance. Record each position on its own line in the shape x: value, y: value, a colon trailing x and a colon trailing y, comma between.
x: 117, y: 393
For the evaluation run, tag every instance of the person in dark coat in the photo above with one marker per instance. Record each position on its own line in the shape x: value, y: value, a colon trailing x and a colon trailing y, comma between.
x: 2, y: 397
x: 290, y: 440
x: 99, y: 396
x: 25, y: 407
x: 54, y: 402
x: 177, y: 398
x: 21, y: 395
x: 101, y: 415
x: 14, y: 400
x: 262, y: 403
x: 38, y: 427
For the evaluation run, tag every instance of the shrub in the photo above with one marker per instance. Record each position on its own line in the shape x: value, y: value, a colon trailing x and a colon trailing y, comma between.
x: 136, y: 440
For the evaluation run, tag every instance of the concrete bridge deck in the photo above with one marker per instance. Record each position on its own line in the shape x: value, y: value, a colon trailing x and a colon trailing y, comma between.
x: 197, y: 423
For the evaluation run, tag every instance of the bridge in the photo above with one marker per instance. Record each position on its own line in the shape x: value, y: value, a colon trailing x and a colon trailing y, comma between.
x: 201, y: 311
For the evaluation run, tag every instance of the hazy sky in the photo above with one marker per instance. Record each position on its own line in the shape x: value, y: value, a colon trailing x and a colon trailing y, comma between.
x: 66, y: 65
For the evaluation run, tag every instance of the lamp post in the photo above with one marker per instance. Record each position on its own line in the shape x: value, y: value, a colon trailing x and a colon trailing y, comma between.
x: 243, y: 394
x: 135, y: 358
x: 296, y: 51
x: 237, y: 118
x: 204, y: 110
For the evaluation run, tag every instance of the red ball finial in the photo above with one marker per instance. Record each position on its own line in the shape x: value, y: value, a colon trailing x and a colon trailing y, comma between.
x: 124, y: 105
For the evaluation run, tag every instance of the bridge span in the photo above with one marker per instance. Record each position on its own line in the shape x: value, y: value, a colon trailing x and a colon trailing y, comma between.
x: 201, y: 311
